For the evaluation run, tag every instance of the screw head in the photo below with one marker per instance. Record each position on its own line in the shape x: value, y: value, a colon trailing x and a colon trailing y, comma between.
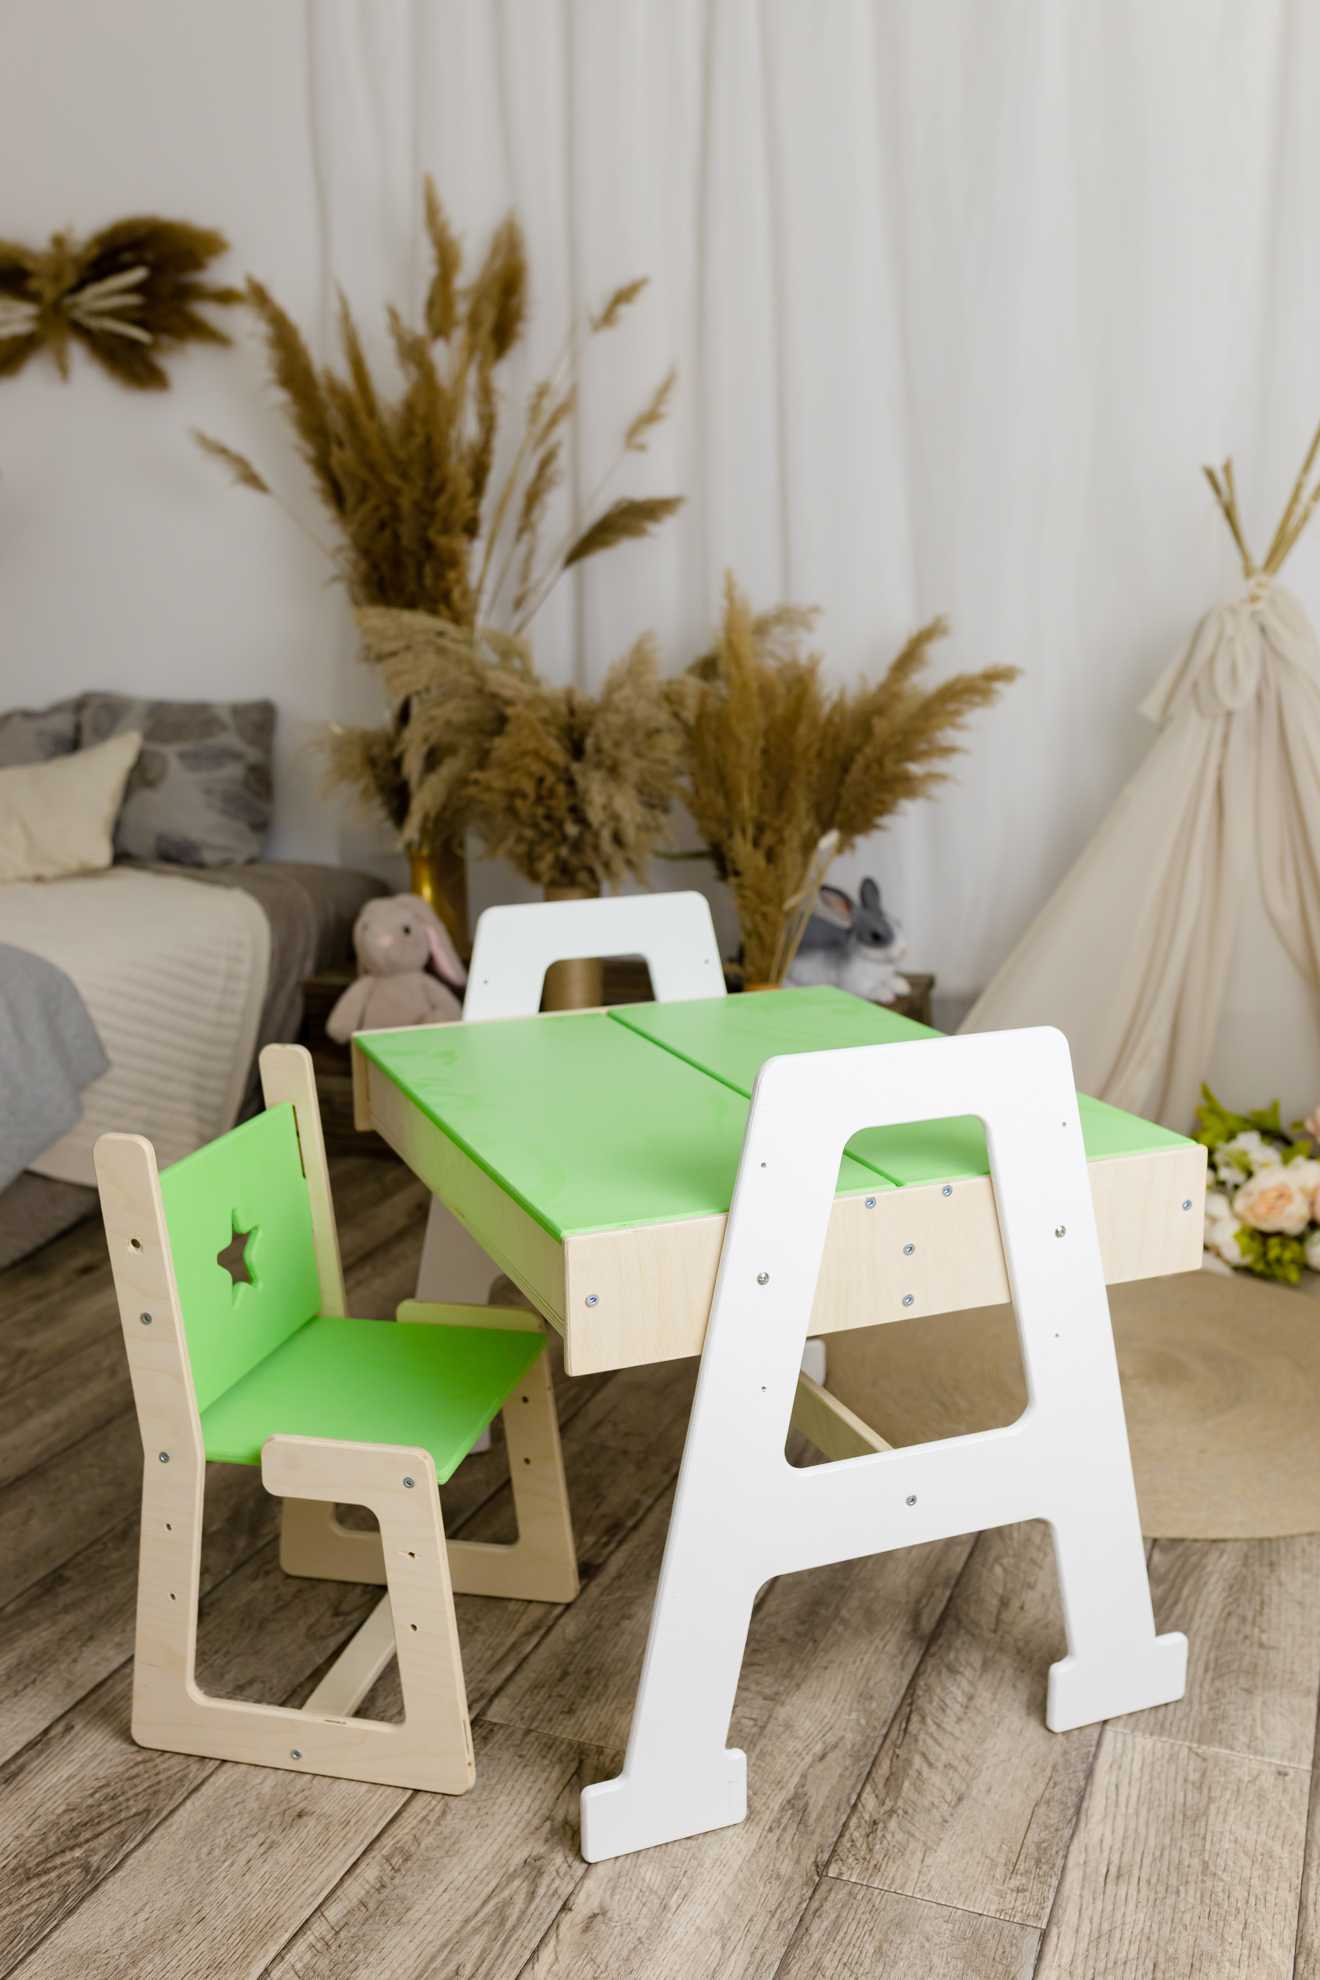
x: 947, y: 1190
x: 911, y: 1499
x: 295, y: 1753
x: 1060, y: 1230
x: 908, y: 1250
x: 870, y: 1203
x: 763, y: 1278
x: 593, y: 1299
x: 909, y: 1299
x: 1187, y: 1203
x: 145, y: 1318
x: 164, y: 1457
x: 408, y: 1484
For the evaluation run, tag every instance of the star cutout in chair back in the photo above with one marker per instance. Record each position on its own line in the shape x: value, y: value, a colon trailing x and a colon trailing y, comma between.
x: 233, y: 1257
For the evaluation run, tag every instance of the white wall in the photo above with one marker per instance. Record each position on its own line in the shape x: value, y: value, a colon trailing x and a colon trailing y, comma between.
x: 125, y: 559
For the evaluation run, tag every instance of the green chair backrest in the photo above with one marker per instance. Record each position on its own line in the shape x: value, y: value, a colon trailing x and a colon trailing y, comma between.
x: 250, y: 1180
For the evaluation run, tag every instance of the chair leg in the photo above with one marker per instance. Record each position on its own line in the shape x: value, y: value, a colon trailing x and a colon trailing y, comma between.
x: 541, y: 1564
x: 432, y: 1748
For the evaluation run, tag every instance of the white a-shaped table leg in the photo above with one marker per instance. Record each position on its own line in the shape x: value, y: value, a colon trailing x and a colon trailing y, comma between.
x: 744, y: 1514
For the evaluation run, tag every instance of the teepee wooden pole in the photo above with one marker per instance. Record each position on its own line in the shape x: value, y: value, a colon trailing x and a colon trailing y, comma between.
x: 1235, y: 517
x: 1299, y: 526
x: 1224, y: 496
x: 1285, y: 536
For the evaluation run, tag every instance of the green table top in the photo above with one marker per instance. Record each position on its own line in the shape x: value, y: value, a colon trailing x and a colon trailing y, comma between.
x: 605, y: 1120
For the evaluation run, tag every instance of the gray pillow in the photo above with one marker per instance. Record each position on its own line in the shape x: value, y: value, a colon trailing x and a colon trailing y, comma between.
x: 35, y: 735
x: 200, y: 791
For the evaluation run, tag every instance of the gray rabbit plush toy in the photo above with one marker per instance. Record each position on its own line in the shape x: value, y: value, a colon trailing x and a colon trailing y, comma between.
x: 852, y: 944
x: 399, y: 942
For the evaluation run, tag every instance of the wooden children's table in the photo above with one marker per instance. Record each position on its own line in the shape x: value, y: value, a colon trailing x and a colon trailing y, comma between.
x: 593, y: 1155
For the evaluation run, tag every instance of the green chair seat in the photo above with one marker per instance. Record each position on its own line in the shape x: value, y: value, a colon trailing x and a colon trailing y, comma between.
x: 372, y: 1382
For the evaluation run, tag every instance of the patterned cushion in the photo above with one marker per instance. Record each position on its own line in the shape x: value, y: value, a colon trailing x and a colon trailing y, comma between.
x: 200, y: 792
x: 34, y: 735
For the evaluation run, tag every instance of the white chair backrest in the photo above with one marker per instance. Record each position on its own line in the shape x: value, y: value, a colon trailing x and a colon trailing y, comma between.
x: 515, y: 946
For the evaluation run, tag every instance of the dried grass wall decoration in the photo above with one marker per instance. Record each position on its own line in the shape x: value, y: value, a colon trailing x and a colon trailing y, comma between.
x: 128, y: 295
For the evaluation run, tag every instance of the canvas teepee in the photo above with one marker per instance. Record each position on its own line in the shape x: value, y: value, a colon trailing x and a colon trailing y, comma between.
x: 1132, y: 954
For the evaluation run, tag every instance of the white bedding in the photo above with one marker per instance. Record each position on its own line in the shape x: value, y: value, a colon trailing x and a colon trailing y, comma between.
x: 173, y: 973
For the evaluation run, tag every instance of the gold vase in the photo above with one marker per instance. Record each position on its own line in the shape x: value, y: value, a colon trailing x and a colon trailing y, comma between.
x: 439, y: 874
x: 576, y: 985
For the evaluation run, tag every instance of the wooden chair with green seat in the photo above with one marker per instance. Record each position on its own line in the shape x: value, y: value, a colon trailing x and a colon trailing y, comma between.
x: 231, y: 1298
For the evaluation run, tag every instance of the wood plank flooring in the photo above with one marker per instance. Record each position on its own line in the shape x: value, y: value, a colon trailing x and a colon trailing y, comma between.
x: 910, y: 1816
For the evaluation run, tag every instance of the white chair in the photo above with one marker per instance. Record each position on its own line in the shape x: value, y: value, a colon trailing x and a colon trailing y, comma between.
x: 742, y: 1514
x: 513, y: 949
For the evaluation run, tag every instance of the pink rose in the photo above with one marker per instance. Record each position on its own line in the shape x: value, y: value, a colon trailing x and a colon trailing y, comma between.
x: 1305, y: 1172
x: 1274, y: 1200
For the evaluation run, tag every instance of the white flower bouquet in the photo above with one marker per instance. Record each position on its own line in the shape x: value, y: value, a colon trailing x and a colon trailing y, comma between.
x: 1262, y: 1205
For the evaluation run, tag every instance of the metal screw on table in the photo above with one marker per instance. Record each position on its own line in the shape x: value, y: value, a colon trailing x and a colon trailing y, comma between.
x: 593, y: 1299
x: 870, y: 1203
x: 164, y: 1457
x: 763, y: 1278
x: 295, y: 1753
x: 145, y: 1318
x: 947, y: 1190
x: 1187, y: 1203
x: 909, y: 1299
x: 911, y: 1500
x: 409, y: 1483
x: 908, y: 1250
x: 1060, y: 1230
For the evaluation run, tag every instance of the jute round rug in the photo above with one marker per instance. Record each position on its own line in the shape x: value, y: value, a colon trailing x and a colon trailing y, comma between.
x: 1221, y: 1382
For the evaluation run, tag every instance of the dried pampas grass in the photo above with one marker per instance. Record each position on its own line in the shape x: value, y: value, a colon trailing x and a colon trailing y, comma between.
x: 574, y: 789
x: 778, y: 760
x: 404, y: 470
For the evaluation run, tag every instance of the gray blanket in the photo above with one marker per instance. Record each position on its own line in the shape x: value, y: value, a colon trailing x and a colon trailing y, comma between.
x: 49, y: 1052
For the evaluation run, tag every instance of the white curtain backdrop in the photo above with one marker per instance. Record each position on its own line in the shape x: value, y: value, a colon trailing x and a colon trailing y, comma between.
x: 960, y: 294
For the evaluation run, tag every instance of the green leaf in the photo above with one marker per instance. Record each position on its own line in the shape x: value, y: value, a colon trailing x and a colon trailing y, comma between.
x: 1217, y: 1124
x: 1272, y: 1256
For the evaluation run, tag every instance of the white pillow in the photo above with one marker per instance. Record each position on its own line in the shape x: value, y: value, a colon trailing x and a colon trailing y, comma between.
x: 59, y: 817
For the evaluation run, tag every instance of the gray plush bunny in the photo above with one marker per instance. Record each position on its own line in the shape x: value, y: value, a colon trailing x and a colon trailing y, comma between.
x: 395, y: 940
x: 852, y: 944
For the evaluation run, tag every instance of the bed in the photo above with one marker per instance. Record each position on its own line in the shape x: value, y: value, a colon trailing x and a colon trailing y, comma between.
x: 138, y: 999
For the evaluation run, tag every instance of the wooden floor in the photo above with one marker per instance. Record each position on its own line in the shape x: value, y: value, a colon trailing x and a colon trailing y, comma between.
x: 910, y: 1816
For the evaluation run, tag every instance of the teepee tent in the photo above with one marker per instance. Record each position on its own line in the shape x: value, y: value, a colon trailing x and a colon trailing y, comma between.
x: 1132, y: 955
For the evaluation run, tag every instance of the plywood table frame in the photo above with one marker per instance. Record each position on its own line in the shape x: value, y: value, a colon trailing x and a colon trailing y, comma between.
x: 628, y: 1295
